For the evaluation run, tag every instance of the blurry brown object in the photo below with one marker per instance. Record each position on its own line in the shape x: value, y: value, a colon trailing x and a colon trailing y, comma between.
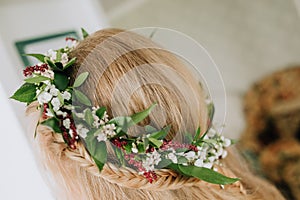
x: 272, y: 112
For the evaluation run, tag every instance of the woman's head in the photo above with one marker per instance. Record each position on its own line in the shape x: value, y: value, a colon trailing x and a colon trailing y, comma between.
x: 129, y: 72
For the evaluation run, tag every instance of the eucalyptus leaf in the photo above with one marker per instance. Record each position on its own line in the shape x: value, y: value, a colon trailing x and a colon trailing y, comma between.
x: 52, y: 123
x: 84, y: 33
x: 61, y: 80
x: 138, y: 117
x: 123, y: 122
x: 82, y: 98
x: 150, y: 129
x: 80, y: 79
x: 70, y: 63
x: 160, y: 134
x: 39, y: 57
x: 36, y: 79
x: 100, y: 154
x: 155, y: 142
x: 207, y: 175
x: 26, y: 93
x: 120, y: 155
x: 88, y: 116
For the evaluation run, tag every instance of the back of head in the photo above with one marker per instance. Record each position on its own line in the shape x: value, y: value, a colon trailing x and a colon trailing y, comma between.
x: 128, y: 73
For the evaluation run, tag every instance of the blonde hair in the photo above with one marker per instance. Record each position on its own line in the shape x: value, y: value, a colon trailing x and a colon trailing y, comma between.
x: 128, y: 73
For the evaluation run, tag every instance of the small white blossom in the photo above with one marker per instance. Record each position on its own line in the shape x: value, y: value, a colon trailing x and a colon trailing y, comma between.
x: 172, y: 157
x: 52, y: 54
x: 69, y: 107
x: 44, y: 97
x: 67, y: 123
x: 109, y: 130
x: 207, y: 165
x: 134, y: 149
x: 48, y: 73
x: 152, y: 159
x: 82, y: 131
x: 53, y: 90
x: 66, y: 95
x: 49, y: 113
x: 226, y: 142
x: 55, y: 103
x: 101, y: 137
x: 64, y: 59
x: 61, y: 113
x: 71, y: 43
x: 224, y: 154
x: 190, y: 155
x: 198, y: 163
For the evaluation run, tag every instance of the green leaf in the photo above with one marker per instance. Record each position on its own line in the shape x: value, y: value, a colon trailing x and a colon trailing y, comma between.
x: 160, y: 134
x: 52, y: 123
x: 164, y: 163
x: 51, y: 64
x: 61, y: 80
x: 150, y: 129
x: 155, y: 142
x: 100, y: 154
x: 197, y: 134
x: 88, y: 116
x: 207, y: 175
x: 120, y: 155
x: 82, y: 98
x: 80, y: 79
x: 97, y: 150
x: 26, y: 93
x: 211, y: 113
x: 70, y: 63
x: 123, y: 122
x: 84, y: 33
x: 138, y: 117
x: 141, y: 148
x: 100, y: 112
x: 40, y: 57
x: 59, y: 65
x: 36, y: 79
x: 182, y: 159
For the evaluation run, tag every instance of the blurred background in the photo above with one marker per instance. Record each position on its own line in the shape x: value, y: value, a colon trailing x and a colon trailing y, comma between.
x: 246, y: 39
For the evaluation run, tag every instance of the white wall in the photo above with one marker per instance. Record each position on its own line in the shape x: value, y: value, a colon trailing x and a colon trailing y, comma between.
x: 20, y: 20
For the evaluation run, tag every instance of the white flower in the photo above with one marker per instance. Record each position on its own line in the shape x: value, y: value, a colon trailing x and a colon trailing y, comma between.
x: 207, y: 165
x: 151, y: 160
x: 49, y: 113
x: 53, y: 90
x: 67, y: 123
x: 66, y: 95
x: 69, y: 107
x: 52, y: 54
x: 48, y: 73
x: 190, y: 155
x: 109, y: 129
x: 82, y: 131
x: 101, y: 137
x: 134, y: 149
x: 226, y: 142
x: 71, y: 43
x: 55, y: 103
x: 172, y: 157
x: 212, y: 132
x: 44, y: 97
x: 198, y: 163
x: 64, y: 59
x: 59, y: 112
x: 224, y: 154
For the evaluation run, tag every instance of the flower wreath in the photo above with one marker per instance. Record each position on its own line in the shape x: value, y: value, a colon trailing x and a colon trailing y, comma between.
x: 48, y: 84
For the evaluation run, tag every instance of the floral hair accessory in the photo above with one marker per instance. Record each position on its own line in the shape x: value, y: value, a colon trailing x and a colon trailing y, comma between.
x: 49, y: 85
